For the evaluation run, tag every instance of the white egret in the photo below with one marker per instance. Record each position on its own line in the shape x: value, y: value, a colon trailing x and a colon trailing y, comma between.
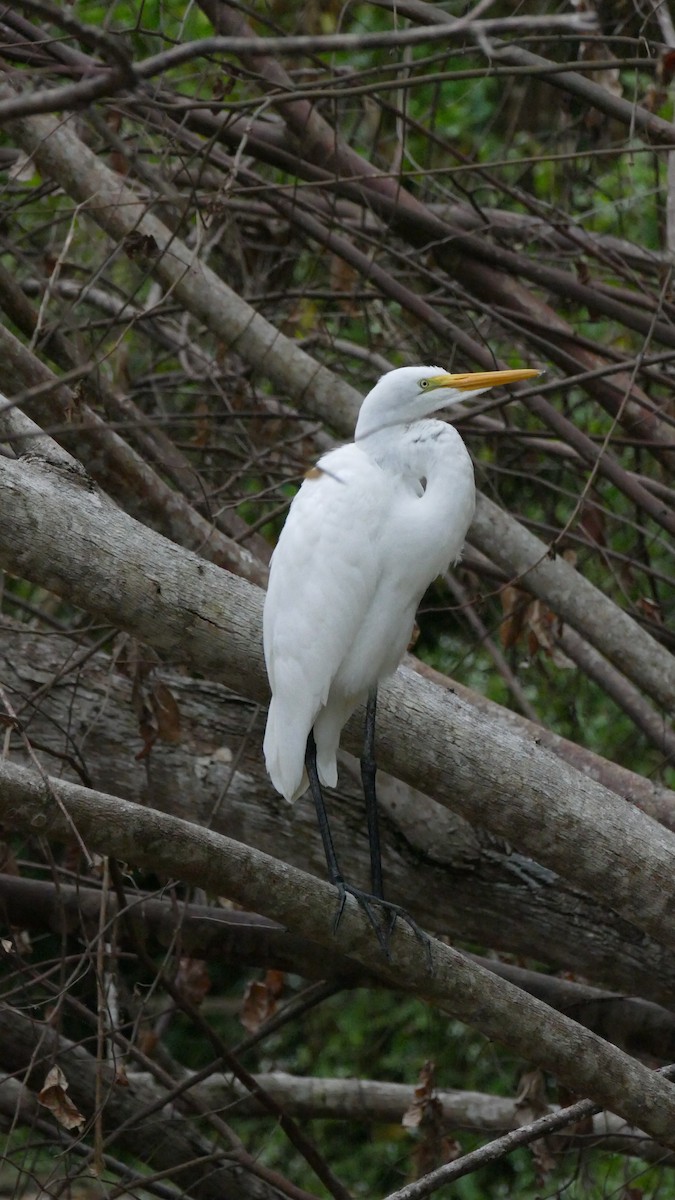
x: 373, y: 524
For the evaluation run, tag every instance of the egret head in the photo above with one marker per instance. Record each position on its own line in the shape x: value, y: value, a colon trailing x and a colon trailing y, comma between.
x: 411, y: 393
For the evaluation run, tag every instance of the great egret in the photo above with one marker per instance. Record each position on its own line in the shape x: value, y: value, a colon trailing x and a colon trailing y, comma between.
x: 373, y: 524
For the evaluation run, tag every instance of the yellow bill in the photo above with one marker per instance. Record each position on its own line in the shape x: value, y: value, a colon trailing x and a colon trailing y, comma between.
x: 474, y: 380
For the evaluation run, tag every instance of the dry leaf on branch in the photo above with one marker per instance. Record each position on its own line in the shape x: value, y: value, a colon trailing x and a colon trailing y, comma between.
x: 53, y: 1096
x: 260, y: 1000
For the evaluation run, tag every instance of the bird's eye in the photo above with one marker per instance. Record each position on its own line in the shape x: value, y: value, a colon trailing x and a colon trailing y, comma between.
x: 424, y: 383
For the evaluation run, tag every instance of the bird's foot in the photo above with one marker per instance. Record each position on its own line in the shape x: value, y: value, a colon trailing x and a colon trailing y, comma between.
x: 374, y: 907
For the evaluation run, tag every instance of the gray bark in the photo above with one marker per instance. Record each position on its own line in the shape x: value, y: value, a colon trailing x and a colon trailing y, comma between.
x: 430, y: 970
x: 83, y: 714
x: 373, y: 1101
x: 72, y: 540
x: 248, y: 940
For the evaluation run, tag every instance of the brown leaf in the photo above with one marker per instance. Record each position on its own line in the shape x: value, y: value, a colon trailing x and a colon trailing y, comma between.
x: 666, y: 66
x: 531, y: 1100
x: 650, y: 609
x: 260, y: 1000
x: 424, y: 1095
x: 530, y: 618
x: 121, y: 1077
x: 223, y: 86
x: 592, y: 521
x: 148, y: 732
x: 425, y: 1115
x: 542, y: 624
x: 151, y: 700
x: 148, y: 1041
x: 193, y: 980
x: 53, y: 1096
x: 166, y: 712
x: 139, y: 245
x: 544, y: 1159
x: 433, y: 1151
x: 514, y: 603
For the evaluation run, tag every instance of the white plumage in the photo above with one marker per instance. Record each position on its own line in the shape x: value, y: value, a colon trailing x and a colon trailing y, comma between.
x: 372, y: 525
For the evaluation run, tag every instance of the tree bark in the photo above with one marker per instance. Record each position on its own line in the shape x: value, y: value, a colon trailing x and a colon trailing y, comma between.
x: 434, y: 972
x: 92, y: 720
x: 70, y: 539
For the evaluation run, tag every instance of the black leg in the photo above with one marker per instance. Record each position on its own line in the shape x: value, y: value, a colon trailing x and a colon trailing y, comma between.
x: 366, y: 902
x: 334, y: 872
x: 368, y: 773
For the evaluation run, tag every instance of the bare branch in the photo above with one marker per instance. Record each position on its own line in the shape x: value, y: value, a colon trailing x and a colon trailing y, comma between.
x: 169, y: 846
x: 59, y: 152
x: 192, y: 612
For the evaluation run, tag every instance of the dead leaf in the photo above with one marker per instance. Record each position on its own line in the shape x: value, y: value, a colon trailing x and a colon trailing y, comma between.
x: 592, y: 521
x: 166, y: 712
x: 542, y: 623
x: 425, y: 1115
x: 531, y: 1099
x: 148, y: 1041
x: 666, y: 67
x: 193, y: 980
x: 53, y: 1096
x: 532, y: 620
x: 139, y: 245
x: 152, y: 700
x: 260, y: 1000
x: 424, y: 1092
x: 650, y: 609
x: 514, y: 603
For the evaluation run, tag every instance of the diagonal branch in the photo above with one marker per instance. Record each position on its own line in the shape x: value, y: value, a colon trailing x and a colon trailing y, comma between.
x: 166, y: 845
x: 60, y: 154
x: 70, y: 539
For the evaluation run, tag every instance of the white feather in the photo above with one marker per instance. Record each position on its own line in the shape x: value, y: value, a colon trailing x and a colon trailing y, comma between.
x: 369, y: 530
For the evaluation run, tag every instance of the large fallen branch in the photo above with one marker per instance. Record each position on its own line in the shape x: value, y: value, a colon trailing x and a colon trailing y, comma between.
x: 74, y: 541
x: 165, y: 845
x: 373, y: 1100
x: 205, y: 766
x: 246, y: 939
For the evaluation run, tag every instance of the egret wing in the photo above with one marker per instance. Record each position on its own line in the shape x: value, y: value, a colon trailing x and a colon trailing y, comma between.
x: 324, y: 574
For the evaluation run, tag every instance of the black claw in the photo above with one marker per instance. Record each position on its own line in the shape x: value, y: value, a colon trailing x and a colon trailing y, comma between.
x: 393, y: 912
